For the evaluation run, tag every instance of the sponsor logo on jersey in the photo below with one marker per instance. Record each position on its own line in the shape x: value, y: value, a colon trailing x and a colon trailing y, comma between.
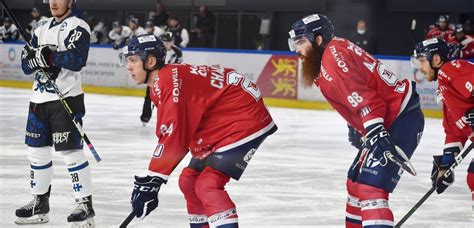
x: 33, y: 135
x: 325, y: 74
x: 176, y: 85
x: 158, y: 150
x: 339, y: 59
x: 440, y: 93
x: 441, y: 74
x: 61, y: 137
x: 462, y: 122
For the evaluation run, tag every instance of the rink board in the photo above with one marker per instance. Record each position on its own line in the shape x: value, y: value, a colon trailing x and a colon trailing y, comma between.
x: 277, y: 74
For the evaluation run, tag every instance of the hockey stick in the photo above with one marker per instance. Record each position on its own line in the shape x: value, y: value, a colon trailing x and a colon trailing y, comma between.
x: 55, y: 87
x: 412, y: 32
x: 128, y: 219
x: 405, y: 165
x: 457, y: 161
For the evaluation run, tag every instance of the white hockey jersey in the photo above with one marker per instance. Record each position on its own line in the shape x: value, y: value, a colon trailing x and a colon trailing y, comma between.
x: 71, y: 39
x: 123, y: 35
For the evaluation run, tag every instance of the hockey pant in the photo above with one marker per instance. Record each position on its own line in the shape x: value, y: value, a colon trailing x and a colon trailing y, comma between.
x: 206, y: 199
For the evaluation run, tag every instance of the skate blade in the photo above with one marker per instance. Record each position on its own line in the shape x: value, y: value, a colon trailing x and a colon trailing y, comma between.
x: 35, y: 219
x: 89, y: 223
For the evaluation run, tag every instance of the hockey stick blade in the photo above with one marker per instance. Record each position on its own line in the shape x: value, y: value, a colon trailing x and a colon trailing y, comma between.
x: 405, y: 165
x: 457, y: 161
x: 128, y: 219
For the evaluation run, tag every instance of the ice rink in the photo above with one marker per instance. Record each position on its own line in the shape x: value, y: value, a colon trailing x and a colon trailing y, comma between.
x: 296, y: 179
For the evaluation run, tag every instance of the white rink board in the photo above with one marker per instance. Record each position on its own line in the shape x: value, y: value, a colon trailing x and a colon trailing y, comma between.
x: 103, y: 69
x: 296, y: 178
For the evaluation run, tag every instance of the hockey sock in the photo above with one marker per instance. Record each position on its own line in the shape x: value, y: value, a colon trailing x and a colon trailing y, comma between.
x: 353, y: 215
x: 79, y: 171
x: 374, y: 207
x: 41, y: 172
x: 220, y: 209
x: 196, y: 211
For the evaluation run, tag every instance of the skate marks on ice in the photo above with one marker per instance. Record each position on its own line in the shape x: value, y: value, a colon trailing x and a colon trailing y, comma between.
x: 296, y: 178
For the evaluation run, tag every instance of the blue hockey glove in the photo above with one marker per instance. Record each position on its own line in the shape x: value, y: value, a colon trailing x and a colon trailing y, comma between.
x: 441, y: 163
x: 470, y: 118
x: 380, y: 144
x: 378, y: 139
x: 355, y: 138
x: 145, y: 195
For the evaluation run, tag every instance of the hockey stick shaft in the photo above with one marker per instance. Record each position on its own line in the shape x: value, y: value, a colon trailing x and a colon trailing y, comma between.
x: 400, y: 163
x: 412, y: 31
x: 128, y: 219
x: 55, y: 87
x: 448, y: 172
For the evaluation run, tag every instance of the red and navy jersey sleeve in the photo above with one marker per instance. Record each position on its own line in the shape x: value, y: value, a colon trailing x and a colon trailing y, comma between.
x: 178, y: 119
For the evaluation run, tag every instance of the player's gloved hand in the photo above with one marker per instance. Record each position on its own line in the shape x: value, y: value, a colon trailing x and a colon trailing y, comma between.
x: 116, y: 45
x: 44, y: 56
x: 441, y: 164
x: 28, y: 57
x: 355, y: 138
x: 145, y: 194
x: 378, y: 139
x: 470, y: 118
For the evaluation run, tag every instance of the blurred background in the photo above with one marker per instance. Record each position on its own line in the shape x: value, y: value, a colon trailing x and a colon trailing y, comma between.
x: 264, y: 25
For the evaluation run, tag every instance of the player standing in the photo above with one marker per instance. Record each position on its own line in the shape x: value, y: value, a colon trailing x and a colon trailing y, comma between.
x: 455, y: 89
x: 174, y: 55
x: 215, y: 113
x: 60, y: 46
x: 385, y: 109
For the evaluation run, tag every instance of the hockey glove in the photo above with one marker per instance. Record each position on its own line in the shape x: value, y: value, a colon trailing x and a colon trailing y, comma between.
x: 28, y: 57
x: 44, y: 56
x: 380, y: 144
x: 355, y: 138
x: 145, y: 195
x: 470, y: 118
x: 441, y: 163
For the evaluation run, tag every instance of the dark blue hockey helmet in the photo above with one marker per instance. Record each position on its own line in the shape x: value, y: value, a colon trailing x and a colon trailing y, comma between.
x: 310, y: 27
x: 144, y: 46
x: 428, y: 48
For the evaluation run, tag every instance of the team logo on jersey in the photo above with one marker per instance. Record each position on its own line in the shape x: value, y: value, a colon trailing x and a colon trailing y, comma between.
x: 63, y: 26
x: 158, y: 150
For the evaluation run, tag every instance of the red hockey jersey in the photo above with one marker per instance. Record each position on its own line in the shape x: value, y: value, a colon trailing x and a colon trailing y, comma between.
x: 455, y: 90
x: 362, y: 89
x: 437, y: 32
x: 203, y: 109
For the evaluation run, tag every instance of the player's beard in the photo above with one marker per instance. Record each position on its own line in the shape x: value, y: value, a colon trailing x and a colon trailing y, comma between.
x: 311, y: 65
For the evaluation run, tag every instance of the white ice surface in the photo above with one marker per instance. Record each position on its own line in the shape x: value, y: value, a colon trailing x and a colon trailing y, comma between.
x: 296, y: 179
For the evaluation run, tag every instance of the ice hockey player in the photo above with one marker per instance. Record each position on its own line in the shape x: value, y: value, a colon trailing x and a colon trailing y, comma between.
x: 455, y: 89
x: 215, y: 113
x: 8, y: 31
x: 119, y: 35
x: 134, y: 25
x: 370, y: 97
x: 174, y: 55
x: 152, y: 29
x: 60, y: 47
x: 441, y: 29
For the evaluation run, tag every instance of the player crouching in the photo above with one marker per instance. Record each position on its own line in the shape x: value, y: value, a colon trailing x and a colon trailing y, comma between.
x: 215, y: 113
x: 455, y: 89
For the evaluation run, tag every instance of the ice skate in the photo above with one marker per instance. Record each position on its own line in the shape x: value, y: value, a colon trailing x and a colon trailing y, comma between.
x: 83, y: 214
x: 35, y: 212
